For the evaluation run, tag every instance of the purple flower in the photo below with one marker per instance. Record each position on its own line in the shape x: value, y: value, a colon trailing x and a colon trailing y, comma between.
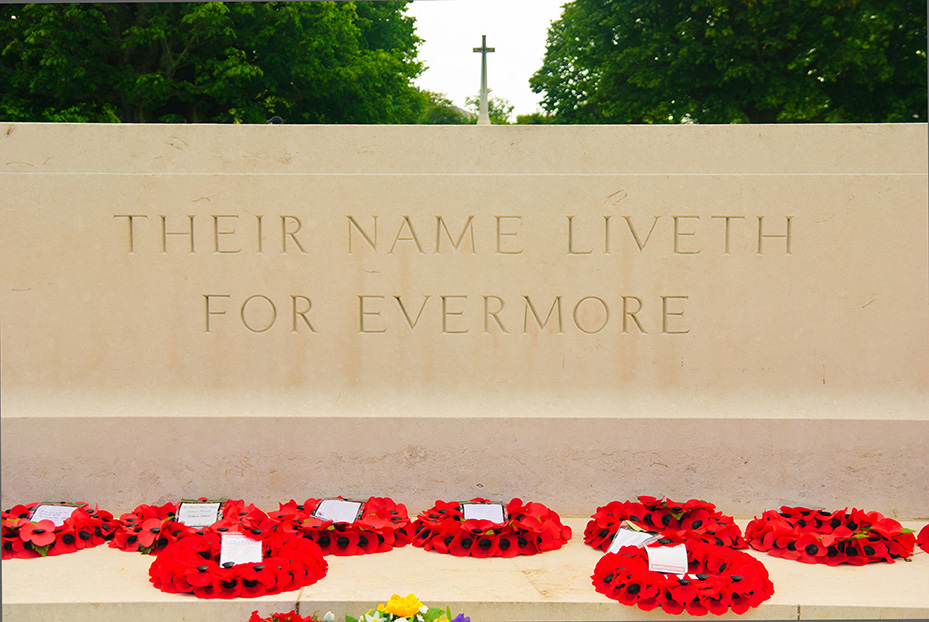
x: 461, y: 618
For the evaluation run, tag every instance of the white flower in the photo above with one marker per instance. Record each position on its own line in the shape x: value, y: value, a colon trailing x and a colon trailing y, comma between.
x: 329, y: 617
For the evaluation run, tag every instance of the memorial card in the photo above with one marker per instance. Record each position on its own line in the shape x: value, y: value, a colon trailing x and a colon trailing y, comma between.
x: 338, y: 510
x: 494, y: 512
x: 630, y: 537
x: 237, y: 548
x: 667, y: 559
x: 56, y: 512
x: 199, y: 513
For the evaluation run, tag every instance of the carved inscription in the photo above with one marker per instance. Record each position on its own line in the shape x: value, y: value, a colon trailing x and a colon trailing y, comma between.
x: 374, y: 236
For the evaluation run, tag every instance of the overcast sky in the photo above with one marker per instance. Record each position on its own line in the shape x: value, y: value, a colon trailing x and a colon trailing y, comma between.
x: 451, y: 29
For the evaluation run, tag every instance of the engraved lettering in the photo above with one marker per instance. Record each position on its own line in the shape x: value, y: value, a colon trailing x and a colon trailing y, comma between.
x: 571, y: 250
x: 488, y: 313
x: 165, y: 233
x: 578, y: 314
x: 446, y: 313
x: 762, y: 235
x: 409, y: 225
x: 269, y: 320
x: 217, y: 232
x: 727, y: 219
x: 291, y: 234
x: 606, y: 235
x: 627, y: 314
x: 302, y: 314
x: 209, y: 312
x: 635, y: 236
x: 501, y: 233
x: 440, y: 226
x: 412, y: 323
x: 556, y: 306
x: 129, y: 218
x: 370, y: 239
x: 362, y: 313
x: 666, y: 313
x: 678, y: 234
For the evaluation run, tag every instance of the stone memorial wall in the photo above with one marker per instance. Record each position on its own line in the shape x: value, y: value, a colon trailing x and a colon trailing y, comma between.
x: 569, y: 314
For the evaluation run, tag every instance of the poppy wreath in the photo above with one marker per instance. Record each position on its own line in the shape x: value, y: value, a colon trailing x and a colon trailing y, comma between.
x: 923, y: 539
x: 718, y: 579
x: 382, y: 526
x: 191, y: 566
x: 149, y: 529
x: 531, y: 528
x: 831, y: 538
x: 692, y: 521
x: 23, y: 538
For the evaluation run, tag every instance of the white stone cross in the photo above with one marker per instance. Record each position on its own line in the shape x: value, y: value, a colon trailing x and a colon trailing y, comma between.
x: 483, y: 115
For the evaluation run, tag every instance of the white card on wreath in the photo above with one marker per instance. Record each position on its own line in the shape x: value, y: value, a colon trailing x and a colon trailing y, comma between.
x: 667, y: 559
x: 338, y: 510
x: 494, y: 512
x: 198, y: 513
x: 630, y: 537
x: 58, y: 514
x: 239, y: 549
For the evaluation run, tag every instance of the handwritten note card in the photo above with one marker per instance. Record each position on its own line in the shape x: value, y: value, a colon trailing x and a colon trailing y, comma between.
x: 668, y: 559
x: 237, y: 548
x: 630, y: 537
x: 199, y: 514
x: 494, y: 512
x: 58, y: 514
x: 338, y: 510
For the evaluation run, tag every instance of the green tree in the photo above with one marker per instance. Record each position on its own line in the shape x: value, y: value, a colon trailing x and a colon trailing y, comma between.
x: 439, y: 110
x: 498, y: 108
x: 309, y: 62
x: 725, y: 61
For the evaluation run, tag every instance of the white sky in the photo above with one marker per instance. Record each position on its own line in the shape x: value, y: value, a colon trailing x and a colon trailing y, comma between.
x: 451, y: 29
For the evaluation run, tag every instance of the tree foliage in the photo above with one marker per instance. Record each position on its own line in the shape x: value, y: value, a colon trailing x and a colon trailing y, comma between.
x: 499, y: 109
x: 309, y: 62
x: 724, y: 61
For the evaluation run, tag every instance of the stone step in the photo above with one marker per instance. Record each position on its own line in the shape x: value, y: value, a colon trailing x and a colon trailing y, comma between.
x: 572, y: 464
x: 106, y: 585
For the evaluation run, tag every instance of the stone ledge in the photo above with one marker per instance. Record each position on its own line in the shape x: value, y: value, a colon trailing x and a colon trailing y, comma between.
x: 106, y: 585
x: 744, y: 466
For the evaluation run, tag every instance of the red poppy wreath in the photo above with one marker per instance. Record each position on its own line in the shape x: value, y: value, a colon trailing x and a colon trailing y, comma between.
x: 379, y: 525
x: 923, y: 539
x: 526, y: 529
x: 149, y: 529
x: 831, y: 538
x: 718, y: 578
x: 692, y: 521
x: 71, y: 527
x: 192, y: 566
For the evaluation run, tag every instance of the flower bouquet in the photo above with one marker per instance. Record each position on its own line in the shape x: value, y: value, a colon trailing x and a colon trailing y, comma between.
x: 407, y: 609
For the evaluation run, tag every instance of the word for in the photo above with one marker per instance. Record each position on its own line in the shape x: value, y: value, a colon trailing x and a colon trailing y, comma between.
x: 460, y: 314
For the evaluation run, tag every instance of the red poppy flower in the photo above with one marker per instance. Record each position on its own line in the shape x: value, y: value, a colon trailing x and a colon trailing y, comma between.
x: 65, y: 539
x: 38, y: 534
x: 923, y: 539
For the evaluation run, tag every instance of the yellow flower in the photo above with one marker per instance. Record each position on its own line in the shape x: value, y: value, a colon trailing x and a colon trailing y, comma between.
x: 403, y: 607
